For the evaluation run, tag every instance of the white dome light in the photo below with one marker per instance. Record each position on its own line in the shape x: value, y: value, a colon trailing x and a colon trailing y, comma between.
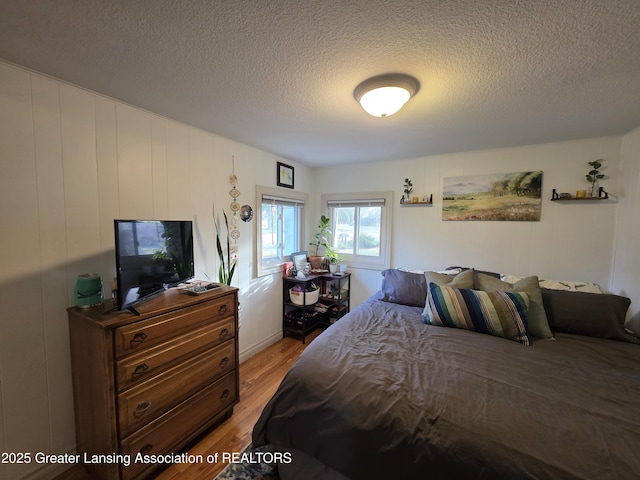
x: 384, y: 95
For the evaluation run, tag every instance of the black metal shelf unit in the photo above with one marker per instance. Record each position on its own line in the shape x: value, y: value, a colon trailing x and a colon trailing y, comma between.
x: 334, y: 301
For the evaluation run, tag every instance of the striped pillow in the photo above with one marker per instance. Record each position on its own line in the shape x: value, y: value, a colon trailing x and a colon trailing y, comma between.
x: 502, y: 314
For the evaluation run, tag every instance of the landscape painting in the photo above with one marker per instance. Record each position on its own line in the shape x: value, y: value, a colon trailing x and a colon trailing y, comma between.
x: 513, y: 197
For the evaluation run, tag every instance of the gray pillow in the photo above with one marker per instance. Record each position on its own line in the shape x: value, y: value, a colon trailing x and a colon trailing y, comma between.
x: 599, y: 315
x: 462, y: 280
x: 406, y: 288
x: 538, y: 323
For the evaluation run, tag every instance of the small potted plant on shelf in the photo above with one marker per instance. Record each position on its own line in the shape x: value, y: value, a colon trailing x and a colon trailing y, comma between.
x: 334, y: 259
x: 321, y: 240
x: 594, y: 175
x: 408, y: 188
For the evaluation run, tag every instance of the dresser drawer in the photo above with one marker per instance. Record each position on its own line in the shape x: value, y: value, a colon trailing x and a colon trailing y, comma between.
x: 144, y: 402
x: 146, y: 333
x: 134, y: 369
x: 186, y: 420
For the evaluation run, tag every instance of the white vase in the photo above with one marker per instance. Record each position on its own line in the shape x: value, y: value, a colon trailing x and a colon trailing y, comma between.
x: 334, y: 267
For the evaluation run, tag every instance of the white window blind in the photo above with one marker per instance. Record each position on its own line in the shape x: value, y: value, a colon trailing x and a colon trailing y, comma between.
x: 373, y: 202
x: 273, y: 200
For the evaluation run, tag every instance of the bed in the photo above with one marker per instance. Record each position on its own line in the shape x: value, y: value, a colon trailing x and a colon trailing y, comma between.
x: 382, y: 394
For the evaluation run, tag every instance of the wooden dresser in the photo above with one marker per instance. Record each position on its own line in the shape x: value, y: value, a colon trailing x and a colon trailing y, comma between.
x: 150, y: 383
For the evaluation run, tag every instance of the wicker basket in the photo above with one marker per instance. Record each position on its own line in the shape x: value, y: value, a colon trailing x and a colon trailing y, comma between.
x: 299, y: 298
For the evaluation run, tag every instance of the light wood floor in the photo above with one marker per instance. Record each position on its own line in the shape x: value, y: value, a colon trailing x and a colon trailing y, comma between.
x: 260, y: 376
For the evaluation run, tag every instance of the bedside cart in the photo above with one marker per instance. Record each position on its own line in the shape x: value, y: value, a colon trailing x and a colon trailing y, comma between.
x: 334, y: 301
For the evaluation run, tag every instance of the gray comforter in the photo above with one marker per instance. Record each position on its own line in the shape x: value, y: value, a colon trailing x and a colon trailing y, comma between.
x: 382, y: 395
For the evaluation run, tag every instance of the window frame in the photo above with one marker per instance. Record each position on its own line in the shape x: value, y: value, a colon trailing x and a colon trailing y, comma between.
x: 275, y: 266
x: 383, y: 260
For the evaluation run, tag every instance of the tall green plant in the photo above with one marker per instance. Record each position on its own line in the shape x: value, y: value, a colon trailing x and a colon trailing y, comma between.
x: 226, y: 270
x: 322, y: 235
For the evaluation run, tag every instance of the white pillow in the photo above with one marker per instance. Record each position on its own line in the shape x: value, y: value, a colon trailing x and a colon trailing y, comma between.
x: 410, y: 270
x: 559, y: 284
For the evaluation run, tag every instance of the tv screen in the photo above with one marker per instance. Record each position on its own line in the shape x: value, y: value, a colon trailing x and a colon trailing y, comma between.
x: 151, y: 255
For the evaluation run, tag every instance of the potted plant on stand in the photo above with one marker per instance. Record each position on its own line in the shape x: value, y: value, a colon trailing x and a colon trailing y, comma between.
x: 321, y: 239
x: 334, y: 259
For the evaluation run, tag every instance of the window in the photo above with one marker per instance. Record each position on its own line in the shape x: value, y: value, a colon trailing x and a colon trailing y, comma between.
x: 360, y: 226
x: 279, y: 226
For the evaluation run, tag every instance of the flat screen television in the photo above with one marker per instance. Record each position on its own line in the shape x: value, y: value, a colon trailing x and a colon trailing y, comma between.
x: 151, y: 256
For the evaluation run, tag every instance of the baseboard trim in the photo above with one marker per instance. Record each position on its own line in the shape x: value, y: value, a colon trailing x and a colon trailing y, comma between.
x: 251, y: 351
x: 49, y: 471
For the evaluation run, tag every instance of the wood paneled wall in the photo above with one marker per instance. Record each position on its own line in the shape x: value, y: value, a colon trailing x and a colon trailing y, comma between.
x: 70, y: 162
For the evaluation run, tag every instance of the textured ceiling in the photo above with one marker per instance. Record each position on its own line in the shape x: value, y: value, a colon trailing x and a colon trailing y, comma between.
x: 279, y: 74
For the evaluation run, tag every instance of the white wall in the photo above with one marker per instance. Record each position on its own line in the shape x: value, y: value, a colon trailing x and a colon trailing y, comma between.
x: 572, y: 241
x: 70, y: 162
x: 626, y: 265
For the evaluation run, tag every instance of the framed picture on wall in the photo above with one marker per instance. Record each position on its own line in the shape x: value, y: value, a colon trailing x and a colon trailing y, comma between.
x: 495, y: 197
x: 285, y: 175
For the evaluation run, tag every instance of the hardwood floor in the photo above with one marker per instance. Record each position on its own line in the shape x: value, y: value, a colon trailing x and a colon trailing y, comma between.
x: 260, y: 376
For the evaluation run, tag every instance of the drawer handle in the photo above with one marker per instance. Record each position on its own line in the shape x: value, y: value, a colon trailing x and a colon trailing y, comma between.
x: 225, y: 395
x: 223, y: 363
x: 146, y: 449
x: 223, y: 309
x: 224, y: 333
x: 140, y: 369
x: 141, y: 408
x: 138, y: 338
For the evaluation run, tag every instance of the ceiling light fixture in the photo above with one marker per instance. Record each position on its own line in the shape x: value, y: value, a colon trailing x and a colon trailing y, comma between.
x: 384, y: 95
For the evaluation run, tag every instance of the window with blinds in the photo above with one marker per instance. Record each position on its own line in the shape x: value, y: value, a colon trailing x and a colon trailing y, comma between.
x: 360, y: 227
x: 279, y: 229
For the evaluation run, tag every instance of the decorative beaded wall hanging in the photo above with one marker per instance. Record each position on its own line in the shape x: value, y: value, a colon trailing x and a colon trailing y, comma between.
x: 235, y: 207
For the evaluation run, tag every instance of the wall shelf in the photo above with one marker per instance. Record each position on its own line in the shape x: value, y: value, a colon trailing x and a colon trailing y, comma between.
x: 418, y: 204
x: 556, y: 197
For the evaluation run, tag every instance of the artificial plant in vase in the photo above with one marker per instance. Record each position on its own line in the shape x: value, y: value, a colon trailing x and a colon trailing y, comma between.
x: 408, y: 188
x: 594, y: 175
x: 227, y: 269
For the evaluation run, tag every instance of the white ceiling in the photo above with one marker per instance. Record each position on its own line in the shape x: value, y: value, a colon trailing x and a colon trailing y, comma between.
x: 279, y: 74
